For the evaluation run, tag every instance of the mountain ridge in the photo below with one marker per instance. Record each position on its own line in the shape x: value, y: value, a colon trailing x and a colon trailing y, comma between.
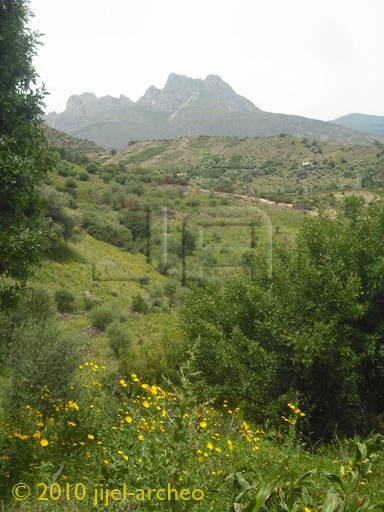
x: 184, y: 106
x: 362, y: 122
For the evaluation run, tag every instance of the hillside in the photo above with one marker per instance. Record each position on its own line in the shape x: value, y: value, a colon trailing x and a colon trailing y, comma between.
x: 110, y: 290
x: 362, y: 123
x: 284, y: 167
x: 185, y: 106
x: 74, y: 149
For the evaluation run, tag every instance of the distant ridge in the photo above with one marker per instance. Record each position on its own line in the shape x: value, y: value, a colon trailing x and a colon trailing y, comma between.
x: 362, y: 122
x: 185, y: 106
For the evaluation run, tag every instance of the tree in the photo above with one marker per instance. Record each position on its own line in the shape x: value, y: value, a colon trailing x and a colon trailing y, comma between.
x: 315, y: 329
x: 24, y: 154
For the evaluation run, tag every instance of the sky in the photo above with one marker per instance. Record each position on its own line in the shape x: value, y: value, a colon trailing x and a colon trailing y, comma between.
x: 315, y: 58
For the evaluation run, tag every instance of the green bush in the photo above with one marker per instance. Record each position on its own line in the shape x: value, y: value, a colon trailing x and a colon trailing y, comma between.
x: 107, y: 230
x: 312, y: 329
x: 63, y: 169
x: 43, y: 357
x: 89, y: 303
x: 139, y: 305
x: 83, y: 176
x: 102, y: 316
x: 64, y: 300
x: 92, y: 168
x: 70, y: 183
x: 36, y: 303
x: 119, y: 337
x: 144, y: 280
x: 62, y: 221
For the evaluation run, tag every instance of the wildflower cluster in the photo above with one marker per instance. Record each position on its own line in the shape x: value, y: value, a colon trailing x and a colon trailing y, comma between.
x: 295, y: 415
x: 138, y: 433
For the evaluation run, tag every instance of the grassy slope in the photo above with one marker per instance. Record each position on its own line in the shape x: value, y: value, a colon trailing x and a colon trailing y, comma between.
x: 282, y: 156
x: 74, y: 272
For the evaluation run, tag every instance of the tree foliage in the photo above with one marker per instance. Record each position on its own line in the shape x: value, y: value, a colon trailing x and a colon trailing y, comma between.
x: 24, y: 156
x: 314, y: 329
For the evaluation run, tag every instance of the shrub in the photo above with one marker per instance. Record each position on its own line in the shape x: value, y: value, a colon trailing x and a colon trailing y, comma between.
x: 70, y: 183
x: 102, y: 316
x: 37, y: 303
x: 42, y: 356
x: 92, y: 168
x: 139, y: 305
x: 119, y: 337
x: 313, y: 327
x: 88, y: 303
x: 62, y: 222
x: 83, y: 176
x: 107, y: 230
x: 144, y: 280
x: 63, y: 169
x: 171, y: 288
x: 64, y: 300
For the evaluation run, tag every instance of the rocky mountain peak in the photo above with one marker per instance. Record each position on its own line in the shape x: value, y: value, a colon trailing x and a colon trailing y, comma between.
x: 183, y: 106
x: 180, y: 91
x: 82, y: 104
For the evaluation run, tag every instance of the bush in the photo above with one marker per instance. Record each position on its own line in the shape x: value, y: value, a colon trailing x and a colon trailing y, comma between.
x: 63, y: 169
x: 42, y: 357
x: 70, y: 183
x: 119, y: 337
x: 64, y: 300
x: 102, y: 316
x: 92, y: 168
x: 107, y: 230
x: 62, y: 222
x: 37, y: 304
x: 171, y: 289
x: 144, y: 280
x: 139, y: 305
x: 313, y: 328
x: 83, y: 176
x: 88, y: 303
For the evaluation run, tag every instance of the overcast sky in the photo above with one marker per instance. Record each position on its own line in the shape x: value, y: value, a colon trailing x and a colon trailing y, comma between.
x: 316, y: 58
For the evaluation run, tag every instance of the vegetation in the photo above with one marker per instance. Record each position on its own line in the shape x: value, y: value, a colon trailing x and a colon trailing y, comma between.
x: 180, y: 331
x: 24, y: 156
x: 311, y: 330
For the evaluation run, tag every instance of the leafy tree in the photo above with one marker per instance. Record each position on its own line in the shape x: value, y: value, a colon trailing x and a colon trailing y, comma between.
x: 314, y: 329
x: 24, y: 157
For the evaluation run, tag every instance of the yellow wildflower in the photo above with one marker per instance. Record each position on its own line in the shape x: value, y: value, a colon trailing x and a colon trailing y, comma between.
x: 23, y: 437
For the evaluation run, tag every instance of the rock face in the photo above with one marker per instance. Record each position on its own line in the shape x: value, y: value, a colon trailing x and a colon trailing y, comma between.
x: 180, y: 91
x: 185, y: 106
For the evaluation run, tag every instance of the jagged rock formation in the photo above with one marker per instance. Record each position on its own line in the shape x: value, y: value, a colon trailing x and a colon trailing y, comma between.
x: 185, y: 106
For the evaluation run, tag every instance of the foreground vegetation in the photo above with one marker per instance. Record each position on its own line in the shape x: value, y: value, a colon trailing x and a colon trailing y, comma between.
x: 130, y: 432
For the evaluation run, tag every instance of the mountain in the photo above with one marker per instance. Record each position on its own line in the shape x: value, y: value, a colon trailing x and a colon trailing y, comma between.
x: 362, y: 123
x: 185, y: 106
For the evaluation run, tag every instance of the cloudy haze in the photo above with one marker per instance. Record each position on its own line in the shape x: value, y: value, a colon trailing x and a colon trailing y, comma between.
x: 320, y: 59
